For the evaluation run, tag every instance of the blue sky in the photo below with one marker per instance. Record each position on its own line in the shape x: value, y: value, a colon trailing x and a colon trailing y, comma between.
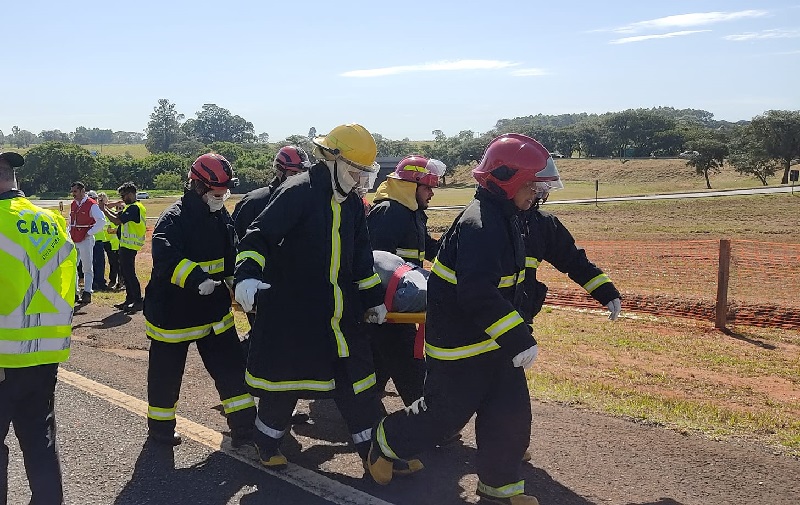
x: 400, y: 69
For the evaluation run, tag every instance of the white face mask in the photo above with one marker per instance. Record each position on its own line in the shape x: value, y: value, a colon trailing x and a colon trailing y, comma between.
x: 216, y: 203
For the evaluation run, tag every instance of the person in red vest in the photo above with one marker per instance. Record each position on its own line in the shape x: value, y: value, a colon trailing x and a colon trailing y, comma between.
x: 85, y: 220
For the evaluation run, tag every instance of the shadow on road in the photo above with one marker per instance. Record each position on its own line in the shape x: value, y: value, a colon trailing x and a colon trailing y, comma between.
x: 112, y: 321
x: 155, y: 479
x: 449, y: 474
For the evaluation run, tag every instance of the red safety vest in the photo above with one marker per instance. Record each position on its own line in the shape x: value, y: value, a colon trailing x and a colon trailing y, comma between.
x: 80, y: 219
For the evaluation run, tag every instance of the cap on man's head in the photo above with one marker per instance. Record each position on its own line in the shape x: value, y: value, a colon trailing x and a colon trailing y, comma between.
x: 13, y: 159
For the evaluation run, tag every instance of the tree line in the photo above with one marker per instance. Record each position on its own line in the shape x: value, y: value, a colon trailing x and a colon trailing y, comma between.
x: 761, y: 147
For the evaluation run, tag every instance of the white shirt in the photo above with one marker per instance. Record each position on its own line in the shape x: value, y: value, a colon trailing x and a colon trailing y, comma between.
x: 97, y: 214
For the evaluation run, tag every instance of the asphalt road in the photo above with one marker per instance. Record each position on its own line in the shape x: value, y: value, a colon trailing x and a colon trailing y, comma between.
x: 579, y: 458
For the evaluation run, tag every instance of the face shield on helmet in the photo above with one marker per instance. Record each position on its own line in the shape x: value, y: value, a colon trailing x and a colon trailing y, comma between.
x: 420, y: 170
x: 512, y: 161
x: 542, y: 190
x: 351, y: 143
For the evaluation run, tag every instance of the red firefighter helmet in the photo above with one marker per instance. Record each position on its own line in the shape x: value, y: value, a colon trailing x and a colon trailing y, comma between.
x: 214, y: 171
x: 415, y: 168
x: 511, y: 161
x: 291, y: 158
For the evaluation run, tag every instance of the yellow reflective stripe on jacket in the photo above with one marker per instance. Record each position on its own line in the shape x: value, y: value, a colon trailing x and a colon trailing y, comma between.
x: 369, y: 282
x: 410, y: 253
x: 506, y: 491
x: 380, y: 436
x: 532, y: 262
x: 511, y: 280
x: 161, y: 414
x: 213, y: 266
x: 182, y: 271
x: 504, y: 324
x: 133, y: 234
x: 238, y: 403
x: 364, y: 384
x: 187, y: 334
x: 258, y: 258
x: 596, y: 282
x: 298, y: 385
x: 454, y: 353
x: 444, y: 272
x: 338, y: 299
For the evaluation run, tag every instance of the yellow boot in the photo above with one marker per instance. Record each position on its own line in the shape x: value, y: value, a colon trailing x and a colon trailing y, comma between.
x: 380, y: 467
x: 274, y: 461
x: 520, y: 499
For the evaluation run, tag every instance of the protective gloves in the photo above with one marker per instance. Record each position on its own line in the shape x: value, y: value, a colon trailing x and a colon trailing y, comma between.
x: 208, y: 286
x: 246, y: 290
x: 377, y: 314
x: 615, y: 307
x: 526, y: 358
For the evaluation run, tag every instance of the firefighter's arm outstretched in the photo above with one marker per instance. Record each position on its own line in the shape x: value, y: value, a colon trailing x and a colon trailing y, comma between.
x: 567, y: 257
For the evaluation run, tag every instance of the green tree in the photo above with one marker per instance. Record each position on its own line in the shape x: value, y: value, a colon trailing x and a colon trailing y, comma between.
x: 168, y: 181
x: 161, y: 163
x: 188, y: 148
x: 52, y: 166
x: 231, y: 151
x: 779, y: 133
x: 164, y: 127
x: 53, y: 136
x: 120, y: 169
x: 749, y: 156
x: 298, y: 140
x: 709, y: 158
x: 215, y: 124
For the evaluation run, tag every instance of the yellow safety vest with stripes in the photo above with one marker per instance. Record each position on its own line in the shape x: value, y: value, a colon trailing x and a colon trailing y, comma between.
x: 38, y: 264
x: 111, y: 235
x: 132, y: 236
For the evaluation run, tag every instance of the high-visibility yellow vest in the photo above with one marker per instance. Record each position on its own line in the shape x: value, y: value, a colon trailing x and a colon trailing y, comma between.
x: 38, y: 264
x: 111, y: 235
x: 101, y: 236
x: 133, y: 233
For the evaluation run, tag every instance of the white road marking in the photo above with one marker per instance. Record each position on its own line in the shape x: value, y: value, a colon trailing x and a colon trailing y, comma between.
x: 305, y: 479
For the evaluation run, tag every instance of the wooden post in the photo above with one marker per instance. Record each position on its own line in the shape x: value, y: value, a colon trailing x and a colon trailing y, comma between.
x: 723, y: 276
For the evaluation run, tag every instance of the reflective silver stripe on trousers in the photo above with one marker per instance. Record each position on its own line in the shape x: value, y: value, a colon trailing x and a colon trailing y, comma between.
x: 364, y: 436
x: 270, y: 432
x: 17, y: 318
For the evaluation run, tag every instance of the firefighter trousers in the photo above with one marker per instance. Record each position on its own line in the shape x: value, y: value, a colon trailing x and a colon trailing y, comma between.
x: 393, y: 354
x: 222, y: 357
x: 488, y: 386
x: 27, y: 399
x: 360, y: 412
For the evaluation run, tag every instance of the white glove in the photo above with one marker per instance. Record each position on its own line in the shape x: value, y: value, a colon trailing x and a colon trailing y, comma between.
x: 615, y: 307
x: 246, y: 290
x: 208, y: 286
x: 377, y: 315
x: 526, y: 358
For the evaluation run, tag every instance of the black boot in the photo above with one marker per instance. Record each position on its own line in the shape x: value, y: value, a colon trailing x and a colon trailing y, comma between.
x: 164, y: 438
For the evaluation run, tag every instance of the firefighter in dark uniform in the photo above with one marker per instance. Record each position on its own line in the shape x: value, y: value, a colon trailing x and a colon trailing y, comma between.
x: 187, y: 300
x: 546, y: 239
x: 477, y: 343
x: 398, y: 224
x: 289, y: 161
x: 307, y: 259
